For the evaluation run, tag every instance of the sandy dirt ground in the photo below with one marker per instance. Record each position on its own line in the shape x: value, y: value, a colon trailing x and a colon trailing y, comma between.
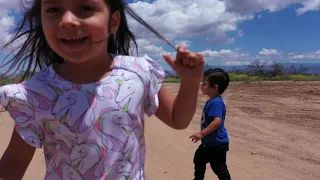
x: 274, y: 129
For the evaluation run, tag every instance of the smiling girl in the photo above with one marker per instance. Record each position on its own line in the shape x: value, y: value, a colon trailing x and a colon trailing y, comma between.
x: 86, y: 105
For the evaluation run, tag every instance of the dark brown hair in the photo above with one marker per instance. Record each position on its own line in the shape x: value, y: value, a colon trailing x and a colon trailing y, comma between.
x: 219, y: 77
x: 35, y: 53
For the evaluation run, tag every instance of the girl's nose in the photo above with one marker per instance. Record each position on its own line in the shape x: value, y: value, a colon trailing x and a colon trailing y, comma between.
x: 69, y: 20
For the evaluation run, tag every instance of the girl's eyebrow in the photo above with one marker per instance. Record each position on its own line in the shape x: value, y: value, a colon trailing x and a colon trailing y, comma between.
x: 48, y: 1
x: 54, y: 1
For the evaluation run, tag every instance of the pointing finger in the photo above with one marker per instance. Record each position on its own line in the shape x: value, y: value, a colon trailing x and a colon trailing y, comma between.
x: 169, y: 60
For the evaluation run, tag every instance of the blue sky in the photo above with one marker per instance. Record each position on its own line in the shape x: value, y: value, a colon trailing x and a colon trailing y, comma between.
x: 282, y: 30
x: 274, y: 32
x: 229, y: 33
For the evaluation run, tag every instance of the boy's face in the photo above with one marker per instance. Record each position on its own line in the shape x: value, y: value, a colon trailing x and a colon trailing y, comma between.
x: 206, y: 88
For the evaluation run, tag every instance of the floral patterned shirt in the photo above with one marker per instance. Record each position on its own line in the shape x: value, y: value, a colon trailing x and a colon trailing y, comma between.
x: 88, y: 131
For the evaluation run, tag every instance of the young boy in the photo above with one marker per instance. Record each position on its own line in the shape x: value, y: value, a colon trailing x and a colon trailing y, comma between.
x: 213, y: 134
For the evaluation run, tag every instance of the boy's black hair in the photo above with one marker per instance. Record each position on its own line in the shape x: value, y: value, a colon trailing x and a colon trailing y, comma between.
x: 218, y: 76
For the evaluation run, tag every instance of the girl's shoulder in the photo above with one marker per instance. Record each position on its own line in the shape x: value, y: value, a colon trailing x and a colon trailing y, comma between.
x: 17, y: 92
x: 149, y: 71
x: 5, y: 92
x: 145, y: 67
x: 139, y: 64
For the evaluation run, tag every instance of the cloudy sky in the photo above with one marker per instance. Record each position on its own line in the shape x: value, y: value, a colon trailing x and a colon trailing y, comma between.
x: 227, y: 32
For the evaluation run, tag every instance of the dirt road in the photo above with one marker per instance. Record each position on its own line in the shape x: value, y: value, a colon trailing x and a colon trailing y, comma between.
x: 274, y: 130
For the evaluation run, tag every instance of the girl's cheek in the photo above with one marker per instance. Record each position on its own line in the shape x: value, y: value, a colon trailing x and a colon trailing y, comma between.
x: 52, y: 20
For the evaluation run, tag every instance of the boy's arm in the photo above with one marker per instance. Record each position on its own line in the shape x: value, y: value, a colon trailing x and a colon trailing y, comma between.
x: 209, y: 129
x: 16, y: 158
x: 215, y: 112
x: 215, y: 124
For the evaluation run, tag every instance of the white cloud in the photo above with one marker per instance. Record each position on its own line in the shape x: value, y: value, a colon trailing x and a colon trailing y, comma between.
x: 236, y: 63
x: 146, y: 47
x: 210, y: 20
x: 311, y: 5
x: 269, y: 52
x: 220, y: 38
x: 312, y: 55
x: 187, y: 18
x: 253, y: 6
x: 6, y: 19
x: 197, y: 18
x: 185, y: 43
x: 298, y: 56
x: 6, y: 23
x: 224, y: 54
x: 240, y: 33
x: 6, y: 5
x: 234, y: 57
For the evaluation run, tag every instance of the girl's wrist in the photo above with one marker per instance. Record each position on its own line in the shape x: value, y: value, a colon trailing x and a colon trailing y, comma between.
x: 189, y: 80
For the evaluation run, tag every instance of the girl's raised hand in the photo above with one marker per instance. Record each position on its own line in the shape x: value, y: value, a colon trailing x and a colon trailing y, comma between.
x: 188, y: 65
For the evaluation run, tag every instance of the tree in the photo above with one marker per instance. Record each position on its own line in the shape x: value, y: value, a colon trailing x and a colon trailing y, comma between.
x: 207, y: 67
x: 276, y: 69
x: 237, y: 70
x: 256, y: 68
x: 297, y: 70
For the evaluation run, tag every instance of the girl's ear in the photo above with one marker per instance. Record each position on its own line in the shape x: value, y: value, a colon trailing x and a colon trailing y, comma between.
x: 115, y: 21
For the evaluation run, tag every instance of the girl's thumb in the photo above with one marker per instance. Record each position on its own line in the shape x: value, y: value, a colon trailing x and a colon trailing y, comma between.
x: 169, y: 60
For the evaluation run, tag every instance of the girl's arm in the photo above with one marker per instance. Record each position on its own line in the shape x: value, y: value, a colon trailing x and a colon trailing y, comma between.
x: 178, y: 112
x: 16, y: 158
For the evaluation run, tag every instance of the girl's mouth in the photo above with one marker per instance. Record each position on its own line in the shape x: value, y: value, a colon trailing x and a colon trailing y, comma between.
x: 74, y: 41
x: 76, y: 44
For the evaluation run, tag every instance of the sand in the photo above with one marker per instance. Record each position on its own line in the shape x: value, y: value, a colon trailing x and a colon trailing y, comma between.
x: 274, y: 129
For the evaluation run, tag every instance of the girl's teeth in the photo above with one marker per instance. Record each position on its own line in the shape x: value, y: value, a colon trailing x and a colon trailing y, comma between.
x: 74, y: 38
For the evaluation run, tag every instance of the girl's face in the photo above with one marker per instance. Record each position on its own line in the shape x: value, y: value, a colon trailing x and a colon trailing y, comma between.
x: 78, y: 30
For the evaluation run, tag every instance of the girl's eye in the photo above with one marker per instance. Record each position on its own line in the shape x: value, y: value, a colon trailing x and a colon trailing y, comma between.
x: 52, y: 10
x: 87, y: 8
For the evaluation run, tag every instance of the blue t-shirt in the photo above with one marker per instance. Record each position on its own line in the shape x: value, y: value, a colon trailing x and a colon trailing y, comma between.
x: 214, y: 108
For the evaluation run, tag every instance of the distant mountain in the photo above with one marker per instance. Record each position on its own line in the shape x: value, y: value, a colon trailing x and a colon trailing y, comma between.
x: 313, y: 68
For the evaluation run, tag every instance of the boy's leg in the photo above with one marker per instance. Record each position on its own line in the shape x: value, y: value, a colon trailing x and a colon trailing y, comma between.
x: 218, y: 162
x: 200, y: 160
